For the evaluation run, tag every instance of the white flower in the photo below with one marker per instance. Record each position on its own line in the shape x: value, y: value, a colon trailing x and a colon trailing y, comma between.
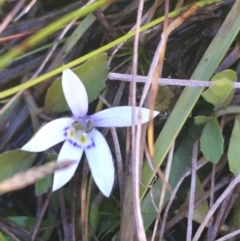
x: 79, y: 134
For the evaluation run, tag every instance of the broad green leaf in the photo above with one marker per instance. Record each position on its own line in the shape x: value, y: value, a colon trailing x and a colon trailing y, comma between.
x: 201, y: 119
x: 43, y: 185
x: 95, y: 215
x: 221, y: 92
x: 1, y: 237
x: 211, y: 142
x: 93, y: 74
x: 228, y: 73
x: 231, y: 75
x: 234, y: 148
x: 111, y: 216
x: 12, y: 162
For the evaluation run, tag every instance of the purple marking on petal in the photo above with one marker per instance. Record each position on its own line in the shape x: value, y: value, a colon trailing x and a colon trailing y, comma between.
x: 91, y: 145
x: 74, y: 143
x: 65, y: 131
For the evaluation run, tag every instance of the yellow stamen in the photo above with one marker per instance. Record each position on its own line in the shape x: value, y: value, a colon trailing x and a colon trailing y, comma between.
x: 72, y: 133
x: 83, y: 138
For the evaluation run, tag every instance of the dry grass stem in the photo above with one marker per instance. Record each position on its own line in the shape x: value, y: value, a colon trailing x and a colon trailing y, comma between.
x: 9, y: 233
x: 167, y: 81
x: 39, y: 220
x: 136, y: 140
x: 226, y: 192
x: 228, y: 236
x: 182, y: 213
x: 11, y: 15
x: 211, y: 201
x: 25, y: 10
x: 192, y: 192
x: 32, y: 175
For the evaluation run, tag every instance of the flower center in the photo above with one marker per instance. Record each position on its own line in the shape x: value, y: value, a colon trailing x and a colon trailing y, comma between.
x: 85, y: 127
x: 78, y: 132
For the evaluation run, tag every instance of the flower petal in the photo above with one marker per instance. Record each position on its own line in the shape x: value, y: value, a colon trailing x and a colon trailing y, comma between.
x: 119, y: 116
x: 68, y: 152
x: 75, y: 93
x: 100, y: 161
x: 49, y: 135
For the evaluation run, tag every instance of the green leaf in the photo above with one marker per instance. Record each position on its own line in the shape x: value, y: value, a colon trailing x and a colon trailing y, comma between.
x: 43, y: 185
x: 234, y: 148
x: 12, y: 162
x: 228, y: 73
x: 1, y: 237
x: 95, y: 215
x: 221, y: 92
x: 93, y: 74
x: 201, y: 119
x: 211, y: 142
